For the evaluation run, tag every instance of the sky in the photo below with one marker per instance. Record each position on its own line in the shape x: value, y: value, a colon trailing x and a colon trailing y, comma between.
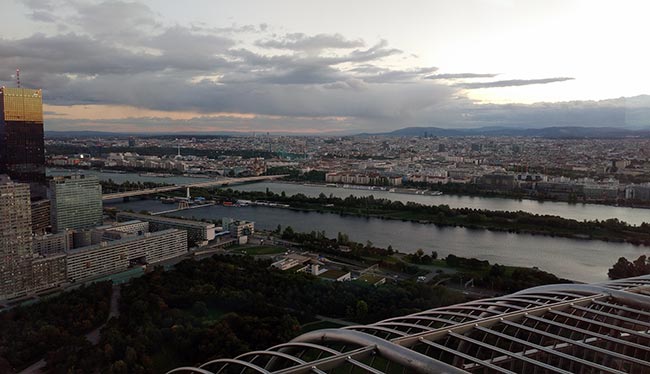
x: 329, y: 67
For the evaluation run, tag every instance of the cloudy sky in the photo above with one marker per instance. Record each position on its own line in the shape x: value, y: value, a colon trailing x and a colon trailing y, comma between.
x: 296, y: 66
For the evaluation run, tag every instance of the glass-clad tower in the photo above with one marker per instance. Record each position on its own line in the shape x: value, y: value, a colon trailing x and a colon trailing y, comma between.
x: 76, y: 202
x: 22, y: 150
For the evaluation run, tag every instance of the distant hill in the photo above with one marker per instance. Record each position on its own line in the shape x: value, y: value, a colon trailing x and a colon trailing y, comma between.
x: 105, y: 134
x: 84, y: 134
x: 546, y: 132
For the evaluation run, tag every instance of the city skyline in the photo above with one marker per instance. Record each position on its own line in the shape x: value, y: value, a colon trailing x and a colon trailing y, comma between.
x: 338, y: 68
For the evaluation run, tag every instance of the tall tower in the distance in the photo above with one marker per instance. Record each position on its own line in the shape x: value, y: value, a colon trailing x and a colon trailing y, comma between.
x: 22, y: 148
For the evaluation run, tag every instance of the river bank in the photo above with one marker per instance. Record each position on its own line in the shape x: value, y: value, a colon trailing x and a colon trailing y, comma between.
x: 579, y: 211
x: 438, y: 190
x: 513, y: 222
x: 580, y: 260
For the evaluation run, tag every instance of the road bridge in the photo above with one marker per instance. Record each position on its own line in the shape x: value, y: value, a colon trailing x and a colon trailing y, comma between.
x: 206, y: 184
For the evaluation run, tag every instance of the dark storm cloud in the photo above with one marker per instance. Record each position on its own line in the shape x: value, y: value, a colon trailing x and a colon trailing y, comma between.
x: 121, y: 53
x: 460, y: 76
x: 512, y: 82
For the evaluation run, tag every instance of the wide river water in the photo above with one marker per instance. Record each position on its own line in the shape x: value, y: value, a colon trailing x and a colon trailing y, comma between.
x: 634, y: 216
x: 581, y: 260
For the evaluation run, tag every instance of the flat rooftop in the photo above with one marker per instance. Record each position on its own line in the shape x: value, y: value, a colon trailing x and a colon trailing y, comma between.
x: 176, y: 221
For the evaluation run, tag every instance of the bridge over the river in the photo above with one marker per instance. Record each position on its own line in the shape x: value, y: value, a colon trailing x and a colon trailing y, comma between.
x: 210, y: 183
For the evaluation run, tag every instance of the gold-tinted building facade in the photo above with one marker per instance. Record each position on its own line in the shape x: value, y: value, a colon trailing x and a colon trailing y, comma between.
x: 22, y: 104
x: 22, y: 148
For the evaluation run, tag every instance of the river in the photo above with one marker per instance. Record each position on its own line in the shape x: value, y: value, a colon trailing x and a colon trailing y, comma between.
x: 581, y: 260
x: 634, y: 216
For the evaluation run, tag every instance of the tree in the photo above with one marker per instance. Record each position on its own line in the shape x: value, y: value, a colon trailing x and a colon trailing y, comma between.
x: 119, y: 367
x: 434, y: 255
x: 361, y: 310
x: 452, y: 261
x: 288, y: 233
x: 625, y: 269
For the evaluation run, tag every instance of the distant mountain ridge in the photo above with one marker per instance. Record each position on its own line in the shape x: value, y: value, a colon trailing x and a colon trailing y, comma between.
x: 545, y: 132
x: 107, y: 134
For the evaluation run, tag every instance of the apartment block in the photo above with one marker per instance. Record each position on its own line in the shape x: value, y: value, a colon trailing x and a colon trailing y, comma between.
x: 198, y: 233
x: 113, y: 257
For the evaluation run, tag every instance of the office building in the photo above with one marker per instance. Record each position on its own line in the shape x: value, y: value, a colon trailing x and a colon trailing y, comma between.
x: 116, y: 256
x: 76, y: 202
x: 638, y: 192
x: 22, y: 149
x: 198, y: 233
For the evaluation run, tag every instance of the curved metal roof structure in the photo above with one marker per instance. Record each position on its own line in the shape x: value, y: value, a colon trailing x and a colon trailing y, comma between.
x: 564, y: 328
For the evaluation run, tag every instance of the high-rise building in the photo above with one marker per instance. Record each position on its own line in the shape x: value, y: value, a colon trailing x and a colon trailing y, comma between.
x: 15, y: 236
x: 40, y: 216
x: 15, y: 218
x: 75, y: 202
x: 22, y: 149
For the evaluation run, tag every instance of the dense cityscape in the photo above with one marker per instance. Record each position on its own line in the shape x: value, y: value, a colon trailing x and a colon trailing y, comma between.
x: 602, y: 170
x: 214, y: 197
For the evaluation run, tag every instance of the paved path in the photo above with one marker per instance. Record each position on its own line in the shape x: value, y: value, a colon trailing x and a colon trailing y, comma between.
x: 114, y: 311
x: 36, y: 368
x: 93, y: 336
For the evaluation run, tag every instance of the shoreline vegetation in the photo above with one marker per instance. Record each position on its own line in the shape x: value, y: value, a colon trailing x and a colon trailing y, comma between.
x: 610, y: 230
x: 455, y: 189
x: 472, y: 190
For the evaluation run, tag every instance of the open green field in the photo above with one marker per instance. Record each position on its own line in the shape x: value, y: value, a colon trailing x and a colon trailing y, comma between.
x: 261, y: 250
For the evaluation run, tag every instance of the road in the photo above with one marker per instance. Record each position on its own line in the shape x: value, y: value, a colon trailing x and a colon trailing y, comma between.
x: 93, y: 336
x: 114, y: 311
x: 212, y: 183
